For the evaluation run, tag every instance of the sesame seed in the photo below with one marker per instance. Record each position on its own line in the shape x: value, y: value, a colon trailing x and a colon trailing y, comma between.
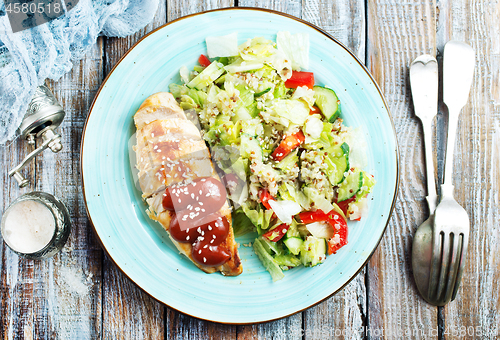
x: 192, y: 195
x: 155, y: 147
x: 199, y: 251
x: 209, y: 227
x: 179, y: 200
x: 205, y: 246
x: 187, y: 238
x: 204, y: 259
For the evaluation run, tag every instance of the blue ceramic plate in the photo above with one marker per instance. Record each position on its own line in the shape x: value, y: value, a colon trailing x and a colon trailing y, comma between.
x: 142, y: 249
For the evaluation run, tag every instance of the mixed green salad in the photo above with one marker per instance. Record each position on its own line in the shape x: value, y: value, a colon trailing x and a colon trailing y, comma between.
x: 294, y: 171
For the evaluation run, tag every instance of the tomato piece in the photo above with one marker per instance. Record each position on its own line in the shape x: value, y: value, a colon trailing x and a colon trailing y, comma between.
x: 338, y: 223
x: 314, y: 110
x: 204, y: 61
x: 265, y: 197
x: 277, y: 233
x: 300, y: 79
x: 345, y: 204
x: 287, y: 145
x: 339, y: 238
x: 313, y: 216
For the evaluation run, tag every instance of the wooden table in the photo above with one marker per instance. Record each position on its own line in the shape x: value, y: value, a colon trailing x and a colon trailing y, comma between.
x: 81, y: 294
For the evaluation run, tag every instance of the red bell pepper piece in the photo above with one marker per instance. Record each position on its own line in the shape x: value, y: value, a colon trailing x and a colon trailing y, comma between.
x: 287, y: 145
x: 345, y: 204
x: 333, y: 218
x: 277, y: 233
x: 300, y: 79
x: 204, y: 61
x: 314, y: 110
x: 335, y: 243
x: 265, y: 197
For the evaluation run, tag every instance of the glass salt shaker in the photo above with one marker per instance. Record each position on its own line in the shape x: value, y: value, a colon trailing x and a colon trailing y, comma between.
x: 36, y: 225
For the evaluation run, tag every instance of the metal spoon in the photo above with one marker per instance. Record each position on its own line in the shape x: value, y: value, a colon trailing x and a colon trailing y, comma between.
x: 424, y: 88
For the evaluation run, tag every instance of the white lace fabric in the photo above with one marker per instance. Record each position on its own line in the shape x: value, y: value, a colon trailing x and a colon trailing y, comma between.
x: 30, y: 56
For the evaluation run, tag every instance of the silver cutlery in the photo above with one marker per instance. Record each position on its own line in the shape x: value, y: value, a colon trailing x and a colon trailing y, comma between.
x: 424, y: 79
x: 451, y: 222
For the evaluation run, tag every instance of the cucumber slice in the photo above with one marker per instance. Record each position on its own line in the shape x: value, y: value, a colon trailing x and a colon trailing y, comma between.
x: 368, y: 184
x: 207, y: 76
x: 351, y: 186
x: 294, y: 244
x: 313, y: 251
x: 328, y: 102
x: 338, y: 163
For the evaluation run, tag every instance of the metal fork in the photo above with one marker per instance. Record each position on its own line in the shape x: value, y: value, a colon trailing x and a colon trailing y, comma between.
x: 451, y: 222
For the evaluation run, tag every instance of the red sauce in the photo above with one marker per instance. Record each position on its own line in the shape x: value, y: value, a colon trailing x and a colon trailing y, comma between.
x: 208, y: 255
x: 201, y: 197
x: 200, y: 224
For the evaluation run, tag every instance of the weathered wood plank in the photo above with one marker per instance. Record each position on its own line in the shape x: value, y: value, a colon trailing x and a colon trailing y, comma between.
x: 129, y: 312
x: 344, y: 20
x: 477, y: 181
x: 398, y: 32
x: 56, y: 298
x: 180, y: 8
x: 343, y: 315
x: 68, y: 299
x: 16, y: 289
x: 292, y: 7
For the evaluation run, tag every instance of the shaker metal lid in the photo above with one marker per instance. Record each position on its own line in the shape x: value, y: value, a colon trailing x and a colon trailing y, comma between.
x: 44, y: 112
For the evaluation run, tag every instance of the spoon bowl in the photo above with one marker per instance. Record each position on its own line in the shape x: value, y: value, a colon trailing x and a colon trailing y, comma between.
x: 421, y: 256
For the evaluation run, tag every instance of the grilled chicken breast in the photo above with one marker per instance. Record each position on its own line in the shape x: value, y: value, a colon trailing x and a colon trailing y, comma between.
x: 181, y: 187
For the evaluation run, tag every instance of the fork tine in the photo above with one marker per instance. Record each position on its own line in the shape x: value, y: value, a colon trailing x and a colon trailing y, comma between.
x: 436, y: 257
x: 461, y: 265
x: 445, y: 261
x: 456, y: 255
